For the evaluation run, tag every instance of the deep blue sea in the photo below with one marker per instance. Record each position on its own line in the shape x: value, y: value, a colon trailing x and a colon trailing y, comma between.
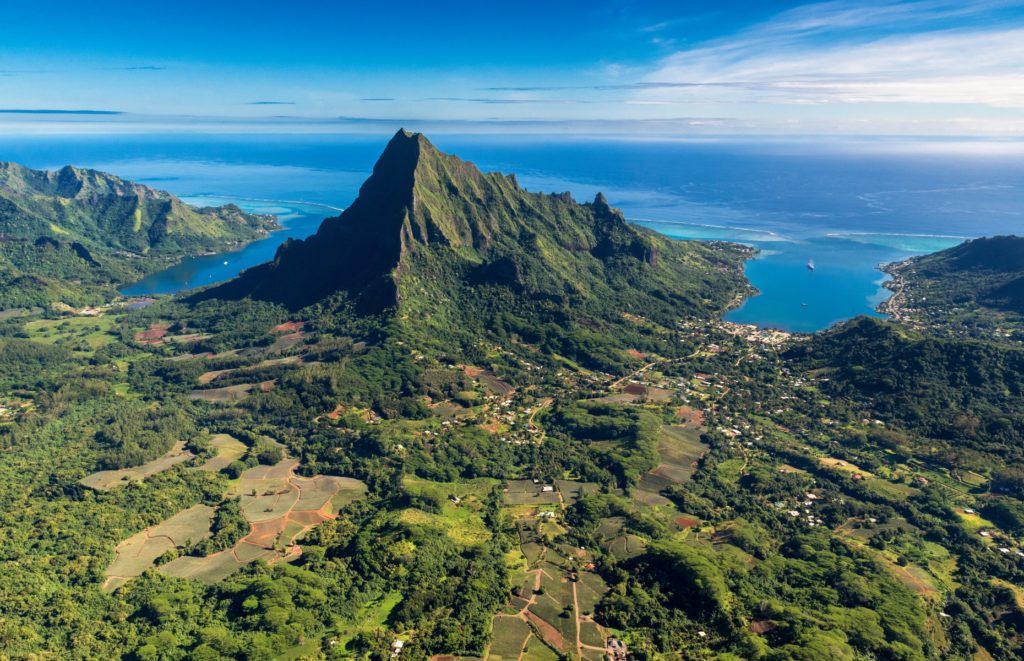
x: 846, y: 207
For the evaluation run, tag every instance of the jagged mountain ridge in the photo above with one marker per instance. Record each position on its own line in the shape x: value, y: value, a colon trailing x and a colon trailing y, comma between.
x: 430, y: 235
x: 73, y: 235
x: 103, y: 211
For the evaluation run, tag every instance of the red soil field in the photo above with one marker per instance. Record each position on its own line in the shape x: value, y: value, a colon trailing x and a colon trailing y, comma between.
x: 288, y: 327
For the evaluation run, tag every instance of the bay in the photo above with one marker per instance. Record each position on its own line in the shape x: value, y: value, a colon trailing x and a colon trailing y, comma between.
x: 848, y: 206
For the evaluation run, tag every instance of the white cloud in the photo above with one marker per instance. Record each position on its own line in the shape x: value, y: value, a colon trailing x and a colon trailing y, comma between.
x: 857, y: 53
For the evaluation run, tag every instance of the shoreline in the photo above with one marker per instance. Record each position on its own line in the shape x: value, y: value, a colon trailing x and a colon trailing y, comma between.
x: 893, y: 307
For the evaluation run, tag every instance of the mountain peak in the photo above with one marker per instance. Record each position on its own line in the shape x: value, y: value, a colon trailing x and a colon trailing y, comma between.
x: 404, y: 148
x: 424, y: 218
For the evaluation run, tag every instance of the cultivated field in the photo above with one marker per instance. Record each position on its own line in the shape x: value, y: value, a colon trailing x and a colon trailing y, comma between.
x: 138, y: 553
x: 111, y: 479
x: 207, y: 378
x: 509, y: 637
x: 556, y: 595
x: 228, y: 449
x: 280, y: 506
x: 229, y: 393
x: 525, y: 492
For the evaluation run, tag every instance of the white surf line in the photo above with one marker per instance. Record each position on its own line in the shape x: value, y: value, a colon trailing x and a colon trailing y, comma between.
x: 731, y: 228
x: 909, y: 235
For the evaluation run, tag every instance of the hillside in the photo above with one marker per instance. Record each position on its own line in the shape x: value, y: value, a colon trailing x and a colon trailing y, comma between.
x: 961, y: 393
x: 448, y: 248
x: 973, y: 289
x: 65, y: 233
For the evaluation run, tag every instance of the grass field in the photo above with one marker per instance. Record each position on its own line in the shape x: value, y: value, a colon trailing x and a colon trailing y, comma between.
x: 917, y: 578
x: 462, y: 521
x: 89, y: 333
x: 371, y: 617
x: 107, y: 480
x: 974, y: 522
x: 626, y: 546
x: 470, y: 490
x: 465, y: 528
x: 881, y: 486
x: 15, y: 313
x: 730, y: 469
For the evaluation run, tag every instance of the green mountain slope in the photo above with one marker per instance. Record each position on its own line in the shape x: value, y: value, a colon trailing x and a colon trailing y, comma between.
x: 65, y: 233
x: 960, y: 393
x: 975, y: 288
x: 449, y: 248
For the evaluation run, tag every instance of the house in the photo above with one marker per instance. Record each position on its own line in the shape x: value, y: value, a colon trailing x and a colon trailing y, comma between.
x: 547, y: 488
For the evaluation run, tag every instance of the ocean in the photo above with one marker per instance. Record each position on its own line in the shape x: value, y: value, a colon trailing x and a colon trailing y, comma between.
x: 845, y: 207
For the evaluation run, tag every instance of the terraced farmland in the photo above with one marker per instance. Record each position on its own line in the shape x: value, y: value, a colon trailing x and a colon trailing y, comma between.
x: 280, y: 506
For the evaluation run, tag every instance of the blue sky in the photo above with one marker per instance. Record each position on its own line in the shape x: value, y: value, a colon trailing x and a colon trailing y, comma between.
x: 923, y: 67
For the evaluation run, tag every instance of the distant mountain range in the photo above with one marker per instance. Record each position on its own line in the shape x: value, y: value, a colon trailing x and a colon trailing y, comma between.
x: 447, y: 247
x: 67, y: 231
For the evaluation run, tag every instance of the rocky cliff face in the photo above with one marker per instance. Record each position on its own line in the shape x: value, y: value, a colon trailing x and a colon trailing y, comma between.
x: 442, y: 245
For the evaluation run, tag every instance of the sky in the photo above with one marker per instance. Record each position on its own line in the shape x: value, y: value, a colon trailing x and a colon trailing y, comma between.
x: 875, y: 67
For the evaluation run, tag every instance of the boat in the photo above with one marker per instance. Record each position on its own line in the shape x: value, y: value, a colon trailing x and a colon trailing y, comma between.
x: 810, y: 265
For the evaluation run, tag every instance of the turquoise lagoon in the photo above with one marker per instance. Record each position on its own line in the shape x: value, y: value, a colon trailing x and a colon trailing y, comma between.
x: 847, y: 207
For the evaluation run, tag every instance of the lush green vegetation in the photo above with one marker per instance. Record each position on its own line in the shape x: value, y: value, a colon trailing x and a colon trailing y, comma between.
x: 965, y: 397
x: 555, y: 443
x: 975, y: 289
x: 72, y: 235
